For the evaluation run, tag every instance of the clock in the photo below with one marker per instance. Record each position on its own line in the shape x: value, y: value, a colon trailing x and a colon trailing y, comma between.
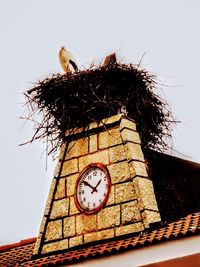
x: 92, y: 188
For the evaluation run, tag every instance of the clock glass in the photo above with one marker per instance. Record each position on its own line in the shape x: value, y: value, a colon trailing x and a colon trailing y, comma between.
x: 92, y: 188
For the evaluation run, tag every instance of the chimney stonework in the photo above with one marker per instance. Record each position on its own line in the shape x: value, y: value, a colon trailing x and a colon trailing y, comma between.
x: 131, y: 205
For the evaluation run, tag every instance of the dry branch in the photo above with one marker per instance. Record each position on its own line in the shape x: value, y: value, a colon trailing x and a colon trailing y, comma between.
x: 74, y: 100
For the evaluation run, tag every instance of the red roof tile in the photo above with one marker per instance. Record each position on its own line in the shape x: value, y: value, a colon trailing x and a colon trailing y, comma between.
x: 21, y: 243
x: 11, y: 255
x: 21, y: 254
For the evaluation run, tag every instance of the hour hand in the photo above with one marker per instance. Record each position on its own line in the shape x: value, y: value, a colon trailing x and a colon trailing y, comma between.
x: 86, y: 183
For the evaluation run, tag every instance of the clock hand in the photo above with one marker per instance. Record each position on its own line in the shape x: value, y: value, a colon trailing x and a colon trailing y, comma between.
x: 95, y: 188
x: 86, y: 183
x: 98, y: 184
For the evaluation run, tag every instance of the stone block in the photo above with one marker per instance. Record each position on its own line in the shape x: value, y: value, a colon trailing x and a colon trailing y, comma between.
x: 69, y: 226
x: 130, y: 228
x: 53, y: 230
x: 134, y: 151
x: 75, y: 241
x: 60, y: 189
x: 71, y: 182
x: 119, y: 172
x: 145, y: 193
x: 150, y: 216
x: 62, y: 151
x: 50, y: 197
x: 124, y: 192
x: 111, y: 120
x: 101, y: 157
x: 117, y: 153
x: 105, y: 234
x: 101, y: 235
x: 127, y: 123
x: 69, y: 167
x: 109, y: 217
x: 109, y: 138
x: 55, y: 246
x: 57, y: 169
x: 105, y: 122
x: 77, y: 148
x: 43, y: 224
x: 130, y: 212
x: 130, y: 136
x: 137, y: 168
x: 74, y: 131
x: 60, y: 208
x: 86, y: 223
x: 37, y: 244
x: 90, y: 237
x: 93, y: 143
x: 92, y: 125
x: 72, y: 207
x: 111, y: 197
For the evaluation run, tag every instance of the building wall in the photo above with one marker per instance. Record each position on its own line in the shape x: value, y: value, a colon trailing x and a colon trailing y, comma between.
x: 146, y: 255
x: 131, y: 206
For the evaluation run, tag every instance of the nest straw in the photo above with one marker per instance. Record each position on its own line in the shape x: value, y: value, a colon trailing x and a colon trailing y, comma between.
x: 67, y: 101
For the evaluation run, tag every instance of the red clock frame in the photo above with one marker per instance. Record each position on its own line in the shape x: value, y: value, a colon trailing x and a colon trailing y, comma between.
x: 104, y: 169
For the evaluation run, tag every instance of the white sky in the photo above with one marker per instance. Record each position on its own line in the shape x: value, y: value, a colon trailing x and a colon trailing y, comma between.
x: 31, y: 33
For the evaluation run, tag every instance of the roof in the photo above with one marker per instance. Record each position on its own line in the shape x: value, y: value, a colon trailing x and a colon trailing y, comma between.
x: 17, y: 252
x: 176, y: 184
x: 20, y: 254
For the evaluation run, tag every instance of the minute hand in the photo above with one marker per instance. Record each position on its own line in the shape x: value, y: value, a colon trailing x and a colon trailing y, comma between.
x: 95, y: 188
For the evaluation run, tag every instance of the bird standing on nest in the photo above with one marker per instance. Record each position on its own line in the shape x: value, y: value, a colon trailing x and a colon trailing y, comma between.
x: 110, y: 59
x: 67, y: 60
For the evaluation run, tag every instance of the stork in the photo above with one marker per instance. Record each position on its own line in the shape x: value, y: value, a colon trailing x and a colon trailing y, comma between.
x: 67, y: 60
x: 110, y: 59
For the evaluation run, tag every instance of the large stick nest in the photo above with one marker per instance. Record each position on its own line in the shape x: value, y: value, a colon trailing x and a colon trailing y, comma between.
x: 74, y: 100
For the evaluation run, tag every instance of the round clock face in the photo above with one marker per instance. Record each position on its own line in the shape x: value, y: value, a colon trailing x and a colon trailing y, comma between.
x: 92, y: 188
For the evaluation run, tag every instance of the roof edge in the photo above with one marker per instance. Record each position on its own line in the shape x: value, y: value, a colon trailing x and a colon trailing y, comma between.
x: 18, y: 244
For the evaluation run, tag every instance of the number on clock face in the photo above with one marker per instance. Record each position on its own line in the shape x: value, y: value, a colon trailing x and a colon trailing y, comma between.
x: 92, y: 188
